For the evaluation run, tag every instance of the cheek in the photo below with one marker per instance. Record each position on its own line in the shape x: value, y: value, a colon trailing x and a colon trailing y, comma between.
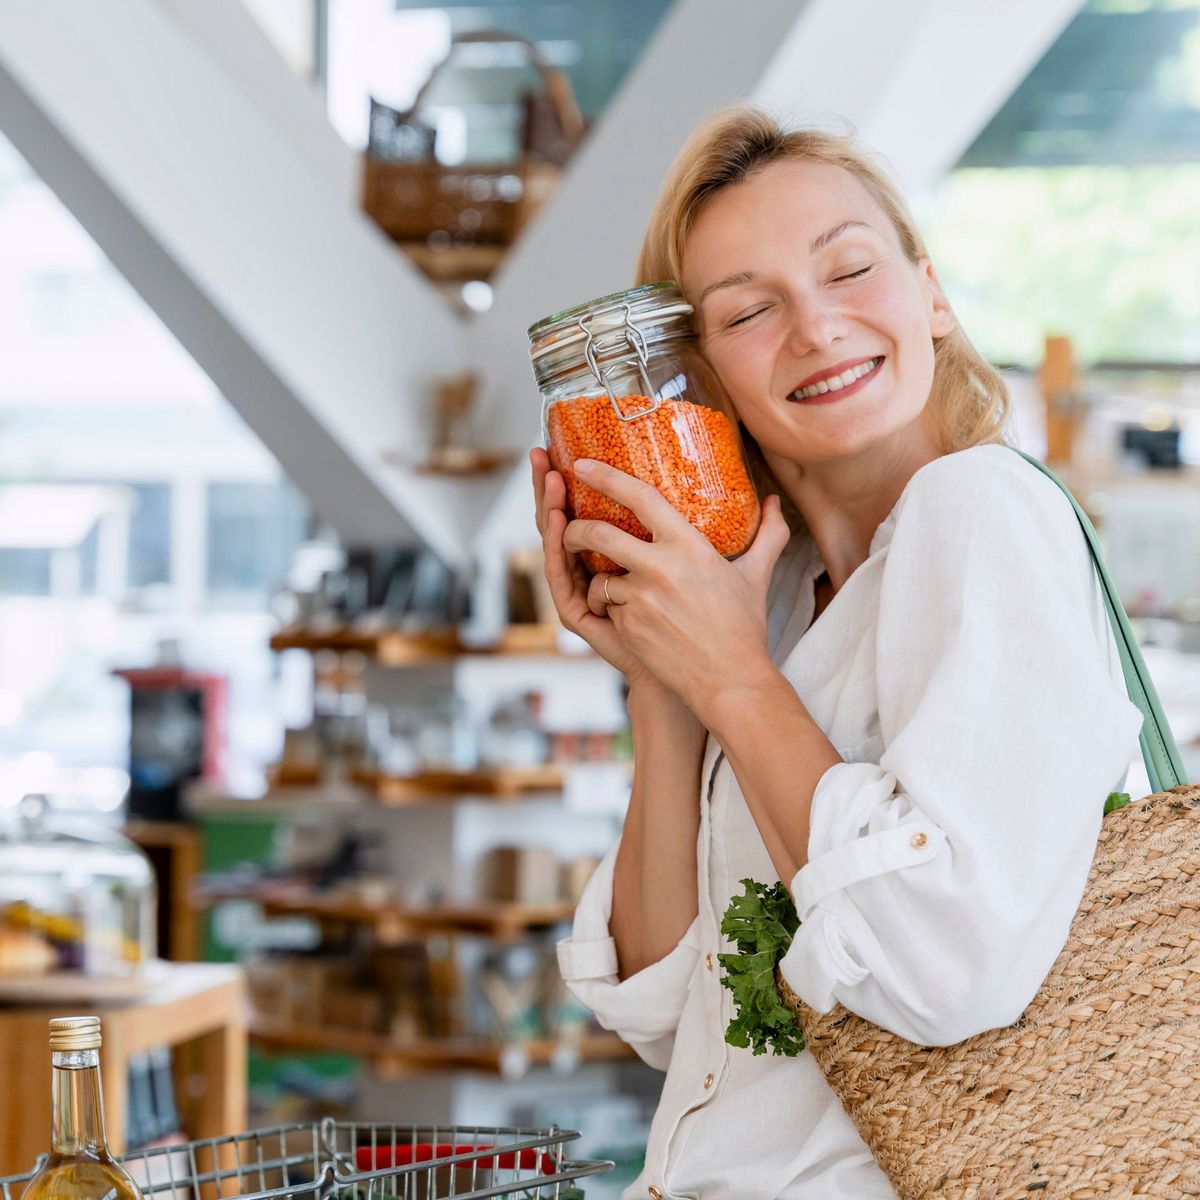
x: 891, y: 305
x: 897, y: 311
x: 742, y: 364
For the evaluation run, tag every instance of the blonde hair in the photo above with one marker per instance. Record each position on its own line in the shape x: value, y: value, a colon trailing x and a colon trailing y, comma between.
x: 968, y: 400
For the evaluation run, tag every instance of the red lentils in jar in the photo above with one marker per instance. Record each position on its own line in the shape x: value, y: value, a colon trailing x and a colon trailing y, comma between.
x: 623, y: 382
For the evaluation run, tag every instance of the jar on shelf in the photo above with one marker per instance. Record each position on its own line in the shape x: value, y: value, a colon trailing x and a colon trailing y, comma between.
x: 623, y: 381
x: 448, y: 739
x: 514, y: 736
x: 74, y: 897
x: 393, y: 733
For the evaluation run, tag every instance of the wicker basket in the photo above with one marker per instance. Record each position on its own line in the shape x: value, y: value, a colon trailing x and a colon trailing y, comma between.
x: 411, y: 196
x: 1095, y: 1091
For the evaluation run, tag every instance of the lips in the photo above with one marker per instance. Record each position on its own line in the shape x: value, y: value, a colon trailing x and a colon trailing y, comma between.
x: 834, y: 378
x: 834, y: 383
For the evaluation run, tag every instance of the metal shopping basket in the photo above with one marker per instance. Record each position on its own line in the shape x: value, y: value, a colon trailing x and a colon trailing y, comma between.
x: 344, y: 1160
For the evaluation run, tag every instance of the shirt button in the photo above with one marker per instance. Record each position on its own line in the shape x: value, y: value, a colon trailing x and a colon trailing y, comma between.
x: 708, y: 961
x: 655, y: 1194
x: 708, y: 1080
x: 919, y: 842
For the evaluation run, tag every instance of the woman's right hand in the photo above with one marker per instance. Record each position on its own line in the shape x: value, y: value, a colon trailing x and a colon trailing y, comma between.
x: 569, y: 580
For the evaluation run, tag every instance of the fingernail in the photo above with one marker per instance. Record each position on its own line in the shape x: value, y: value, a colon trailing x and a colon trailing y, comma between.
x: 584, y: 465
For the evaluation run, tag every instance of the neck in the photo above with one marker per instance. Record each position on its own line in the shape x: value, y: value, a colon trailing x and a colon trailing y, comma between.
x: 843, y: 500
x: 78, y: 1115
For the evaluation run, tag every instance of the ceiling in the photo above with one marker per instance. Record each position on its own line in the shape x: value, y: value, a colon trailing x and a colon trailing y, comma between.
x: 1120, y: 86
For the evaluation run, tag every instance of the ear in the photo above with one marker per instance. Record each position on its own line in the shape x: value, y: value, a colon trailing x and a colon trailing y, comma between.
x: 941, y: 316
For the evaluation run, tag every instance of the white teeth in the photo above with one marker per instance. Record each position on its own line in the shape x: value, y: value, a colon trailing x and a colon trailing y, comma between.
x: 835, y: 383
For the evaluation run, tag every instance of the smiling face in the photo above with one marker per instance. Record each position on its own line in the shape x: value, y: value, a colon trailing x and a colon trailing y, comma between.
x: 819, y: 326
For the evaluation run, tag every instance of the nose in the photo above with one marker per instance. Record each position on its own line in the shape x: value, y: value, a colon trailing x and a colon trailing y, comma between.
x: 816, y: 324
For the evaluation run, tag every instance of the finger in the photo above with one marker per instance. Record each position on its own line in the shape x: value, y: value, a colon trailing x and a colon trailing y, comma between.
x: 769, y: 542
x: 569, y: 587
x: 562, y: 574
x: 555, y: 493
x: 596, y: 598
x: 595, y: 595
x: 556, y: 502
x: 602, y: 538
x: 549, y: 488
x: 646, y: 503
x: 538, y: 463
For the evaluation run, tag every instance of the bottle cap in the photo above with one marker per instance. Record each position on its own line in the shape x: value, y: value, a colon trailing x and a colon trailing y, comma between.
x: 75, y: 1033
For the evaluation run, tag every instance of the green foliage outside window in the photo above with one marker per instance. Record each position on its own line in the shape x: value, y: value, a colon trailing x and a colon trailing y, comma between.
x: 1107, y: 255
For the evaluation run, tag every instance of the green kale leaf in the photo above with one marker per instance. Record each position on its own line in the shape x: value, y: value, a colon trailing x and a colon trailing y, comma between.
x: 1115, y: 800
x: 761, y: 923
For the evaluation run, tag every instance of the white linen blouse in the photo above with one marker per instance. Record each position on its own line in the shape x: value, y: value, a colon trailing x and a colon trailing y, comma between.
x: 967, y: 674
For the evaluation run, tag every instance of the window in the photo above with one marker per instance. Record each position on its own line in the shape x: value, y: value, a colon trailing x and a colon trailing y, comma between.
x: 149, y: 543
x: 25, y: 572
x: 150, y: 535
x: 1073, y: 211
x: 253, y: 530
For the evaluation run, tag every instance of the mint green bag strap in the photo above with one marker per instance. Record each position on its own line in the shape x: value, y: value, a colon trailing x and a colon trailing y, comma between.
x: 1164, y: 765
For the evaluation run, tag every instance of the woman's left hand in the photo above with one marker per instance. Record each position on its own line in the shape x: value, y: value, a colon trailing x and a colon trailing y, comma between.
x: 697, y: 620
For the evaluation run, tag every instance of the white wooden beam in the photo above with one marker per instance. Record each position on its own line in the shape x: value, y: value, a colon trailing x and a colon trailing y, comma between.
x: 918, y: 80
x: 301, y: 313
x: 232, y: 37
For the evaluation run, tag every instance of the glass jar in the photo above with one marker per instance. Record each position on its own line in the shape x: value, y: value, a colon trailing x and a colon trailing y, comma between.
x: 623, y: 381
x: 74, y: 896
x: 514, y: 736
x: 447, y: 739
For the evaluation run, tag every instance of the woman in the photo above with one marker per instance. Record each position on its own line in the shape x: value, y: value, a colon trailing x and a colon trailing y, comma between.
x: 904, y: 700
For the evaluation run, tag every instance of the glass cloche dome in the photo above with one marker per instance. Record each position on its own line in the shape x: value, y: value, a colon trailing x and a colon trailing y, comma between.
x: 74, y: 897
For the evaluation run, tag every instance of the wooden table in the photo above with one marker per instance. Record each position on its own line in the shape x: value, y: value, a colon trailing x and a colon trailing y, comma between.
x: 199, y: 1009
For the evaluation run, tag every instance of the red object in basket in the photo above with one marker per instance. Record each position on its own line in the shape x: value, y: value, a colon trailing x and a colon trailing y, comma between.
x: 378, y: 1158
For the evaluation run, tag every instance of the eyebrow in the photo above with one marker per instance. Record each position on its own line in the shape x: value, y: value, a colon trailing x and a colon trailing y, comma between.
x: 818, y: 243
x: 728, y: 281
x: 823, y: 239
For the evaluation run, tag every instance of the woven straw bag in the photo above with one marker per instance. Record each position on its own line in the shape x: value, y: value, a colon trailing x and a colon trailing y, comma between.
x: 1095, y: 1091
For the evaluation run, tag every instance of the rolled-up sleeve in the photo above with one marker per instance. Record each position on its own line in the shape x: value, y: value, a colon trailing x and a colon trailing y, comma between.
x: 942, y: 880
x: 643, y: 1010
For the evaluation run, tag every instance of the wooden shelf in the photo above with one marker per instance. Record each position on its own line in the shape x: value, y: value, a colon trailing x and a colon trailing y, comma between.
x: 394, y: 649
x: 363, y: 788
x: 328, y: 796
x: 388, y: 1057
x: 455, y: 264
x: 388, y: 646
x: 284, y: 775
x: 499, y: 783
x: 459, y: 465
x: 429, y: 787
x: 392, y: 923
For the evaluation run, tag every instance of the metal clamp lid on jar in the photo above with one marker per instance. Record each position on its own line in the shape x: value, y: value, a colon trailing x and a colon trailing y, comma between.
x: 611, y: 329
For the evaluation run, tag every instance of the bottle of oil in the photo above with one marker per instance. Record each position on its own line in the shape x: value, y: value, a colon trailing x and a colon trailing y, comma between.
x: 79, y: 1166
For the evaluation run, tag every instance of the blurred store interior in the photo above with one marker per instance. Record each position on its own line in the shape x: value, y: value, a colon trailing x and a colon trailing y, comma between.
x: 271, y: 596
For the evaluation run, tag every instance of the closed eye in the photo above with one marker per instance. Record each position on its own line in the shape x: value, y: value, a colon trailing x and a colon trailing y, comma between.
x: 747, y: 317
x: 852, y: 275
